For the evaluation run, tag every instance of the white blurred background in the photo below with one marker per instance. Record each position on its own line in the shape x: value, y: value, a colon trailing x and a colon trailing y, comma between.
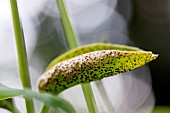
x: 93, y: 21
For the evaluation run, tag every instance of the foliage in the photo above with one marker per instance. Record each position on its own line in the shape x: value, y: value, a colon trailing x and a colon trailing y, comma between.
x: 77, y: 66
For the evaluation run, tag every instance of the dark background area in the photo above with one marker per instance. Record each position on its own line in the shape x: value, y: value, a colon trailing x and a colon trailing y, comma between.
x: 150, y: 29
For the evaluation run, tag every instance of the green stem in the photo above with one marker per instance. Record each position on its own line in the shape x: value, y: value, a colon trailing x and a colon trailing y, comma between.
x: 45, y: 109
x: 22, y: 56
x: 68, y: 31
x: 90, y: 100
x: 71, y: 41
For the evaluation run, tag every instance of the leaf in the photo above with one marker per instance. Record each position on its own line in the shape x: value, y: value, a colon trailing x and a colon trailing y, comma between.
x: 90, y: 48
x: 156, y: 109
x: 8, y: 104
x: 161, y: 109
x: 90, y: 67
x: 48, y: 99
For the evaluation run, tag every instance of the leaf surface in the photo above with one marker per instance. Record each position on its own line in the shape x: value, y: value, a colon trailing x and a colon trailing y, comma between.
x: 48, y: 99
x: 90, y: 48
x: 71, y: 70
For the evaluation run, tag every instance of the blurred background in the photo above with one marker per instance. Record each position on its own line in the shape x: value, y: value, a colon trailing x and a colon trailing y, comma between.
x: 144, y: 24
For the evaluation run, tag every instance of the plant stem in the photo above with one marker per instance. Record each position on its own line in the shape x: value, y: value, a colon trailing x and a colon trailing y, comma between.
x: 68, y: 31
x: 71, y: 40
x: 21, y: 51
x: 90, y: 100
x: 45, y: 109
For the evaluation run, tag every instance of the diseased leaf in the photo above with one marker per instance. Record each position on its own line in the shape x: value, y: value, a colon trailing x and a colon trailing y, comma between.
x: 90, y: 48
x: 48, y: 99
x: 90, y: 67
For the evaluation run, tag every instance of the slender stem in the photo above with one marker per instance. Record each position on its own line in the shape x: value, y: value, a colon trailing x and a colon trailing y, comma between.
x: 90, y: 100
x: 71, y: 41
x: 45, y: 109
x: 68, y: 31
x: 22, y: 56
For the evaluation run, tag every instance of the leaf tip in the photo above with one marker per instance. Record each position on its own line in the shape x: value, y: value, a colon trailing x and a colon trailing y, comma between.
x: 154, y: 56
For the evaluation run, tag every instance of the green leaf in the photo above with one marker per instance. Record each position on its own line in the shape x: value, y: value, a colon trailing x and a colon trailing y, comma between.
x: 48, y: 99
x: 90, y: 48
x: 8, y: 104
x: 90, y: 67
x: 161, y: 109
